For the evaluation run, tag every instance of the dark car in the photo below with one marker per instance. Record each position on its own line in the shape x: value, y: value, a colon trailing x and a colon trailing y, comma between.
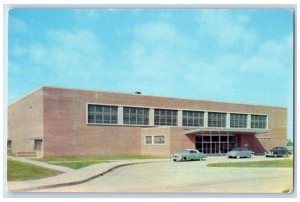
x: 278, y: 151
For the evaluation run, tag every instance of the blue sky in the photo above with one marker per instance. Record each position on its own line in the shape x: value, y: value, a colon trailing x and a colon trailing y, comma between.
x: 240, y: 56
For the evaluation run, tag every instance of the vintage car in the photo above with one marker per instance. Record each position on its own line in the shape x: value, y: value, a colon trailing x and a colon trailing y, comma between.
x: 278, y: 151
x: 188, y: 154
x: 240, y: 152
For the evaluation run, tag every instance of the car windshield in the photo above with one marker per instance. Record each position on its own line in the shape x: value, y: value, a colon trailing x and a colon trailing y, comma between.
x: 236, y: 149
x: 189, y: 151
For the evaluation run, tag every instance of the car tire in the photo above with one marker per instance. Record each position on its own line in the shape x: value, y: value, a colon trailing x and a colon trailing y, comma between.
x: 252, y: 156
x: 238, y: 157
x: 174, y: 160
x: 184, y: 159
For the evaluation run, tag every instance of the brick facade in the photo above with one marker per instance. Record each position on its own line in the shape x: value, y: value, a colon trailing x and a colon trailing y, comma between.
x: 59, y: 117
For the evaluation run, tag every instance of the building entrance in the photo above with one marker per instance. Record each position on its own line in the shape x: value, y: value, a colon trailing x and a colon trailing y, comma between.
x: 215, y: 143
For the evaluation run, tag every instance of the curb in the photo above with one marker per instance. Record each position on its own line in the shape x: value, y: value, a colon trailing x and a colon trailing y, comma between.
x: 77, y: 182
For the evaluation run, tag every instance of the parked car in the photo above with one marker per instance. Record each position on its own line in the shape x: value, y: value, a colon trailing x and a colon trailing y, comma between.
x: 240, y: 152
x: 188, y: 154
x: 278, y: 151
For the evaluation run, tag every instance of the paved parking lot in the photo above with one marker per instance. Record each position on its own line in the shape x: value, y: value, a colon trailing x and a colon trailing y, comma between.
x: 190, y: 176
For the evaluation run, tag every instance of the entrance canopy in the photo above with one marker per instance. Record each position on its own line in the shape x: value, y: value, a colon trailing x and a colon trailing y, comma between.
x: 218, y: 141
x: 232, y: 130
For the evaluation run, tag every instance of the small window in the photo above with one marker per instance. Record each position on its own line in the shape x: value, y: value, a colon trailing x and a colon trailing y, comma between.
x: 148, y: 139
x: 38, y: 145
x: 8, y: 144
x: 159, y: 139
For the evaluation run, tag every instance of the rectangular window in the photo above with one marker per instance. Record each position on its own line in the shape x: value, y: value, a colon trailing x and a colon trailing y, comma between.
x: 136, y: 116
x: 38, y: 145
x: 258, y: 121
x: 102, y: 114
x: 159, y: 139
x: 148, y: 139
x: 216, y: 119
x: 238, y: 120
x: 192, y: 118
x: 164, y: 117
x: 8, y: 144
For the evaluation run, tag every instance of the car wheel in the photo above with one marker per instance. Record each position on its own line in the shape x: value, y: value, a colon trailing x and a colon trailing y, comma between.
x: 252, y: 156
x: 174, y: 160
x: 238, y: 157
x: 184, y: 159
x: 275, y: 155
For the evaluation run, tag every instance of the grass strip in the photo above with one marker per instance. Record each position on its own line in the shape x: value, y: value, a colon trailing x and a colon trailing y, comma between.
x: 96, y: 158
x: 23, y: 171
x: 76, y: 162
x: 287, y: 163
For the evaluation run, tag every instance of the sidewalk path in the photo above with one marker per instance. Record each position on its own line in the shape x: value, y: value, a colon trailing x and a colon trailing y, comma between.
x: 73, y: 177
x: 42, y: 164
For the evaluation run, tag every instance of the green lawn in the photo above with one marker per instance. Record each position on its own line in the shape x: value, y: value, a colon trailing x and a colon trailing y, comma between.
x: 76, y: 164
x: 287, y: 163
x: 23, y: 171
x: 79, y: 162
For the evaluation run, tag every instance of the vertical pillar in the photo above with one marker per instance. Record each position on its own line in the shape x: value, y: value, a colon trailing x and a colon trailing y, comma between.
x: 227, y: 120
x: 267, y: 122
x: 219, y: 143
x: 210, y: 143
x: 179, y: 118
x: 227, y: 141
x: 120, y: 115
x: 248, y: 121
x: 205, y: 119
x: 151, y: 117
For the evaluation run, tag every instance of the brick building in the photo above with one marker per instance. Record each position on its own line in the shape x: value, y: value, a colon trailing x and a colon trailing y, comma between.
x: 71, y: 122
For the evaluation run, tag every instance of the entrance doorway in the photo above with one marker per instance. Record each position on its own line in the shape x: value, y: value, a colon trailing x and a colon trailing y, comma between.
x: 215, y: 143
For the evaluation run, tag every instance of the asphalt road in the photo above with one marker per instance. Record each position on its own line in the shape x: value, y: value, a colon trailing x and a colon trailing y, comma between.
x: 191, y: 176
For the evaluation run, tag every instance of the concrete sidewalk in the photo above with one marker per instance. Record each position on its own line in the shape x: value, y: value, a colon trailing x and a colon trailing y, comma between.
x: 73, y: 177
x: 42, y: 164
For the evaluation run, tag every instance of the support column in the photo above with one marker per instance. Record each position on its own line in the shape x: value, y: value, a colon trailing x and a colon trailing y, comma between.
x: 151, y: 117
x: 248, y: 121
x: 205, y: 119
x: 227, y: 120
x: 179, y: 118
x: 120, y: 115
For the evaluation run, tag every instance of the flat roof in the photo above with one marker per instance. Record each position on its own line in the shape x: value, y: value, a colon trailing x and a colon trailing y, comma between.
x: 133, y: 94
x: 155, y: 96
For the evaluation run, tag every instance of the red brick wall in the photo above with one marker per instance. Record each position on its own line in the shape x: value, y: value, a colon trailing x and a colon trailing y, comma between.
x: 179, y: 141
x: 152, y: 149
x: 25, y: 122
x: 67, y: 134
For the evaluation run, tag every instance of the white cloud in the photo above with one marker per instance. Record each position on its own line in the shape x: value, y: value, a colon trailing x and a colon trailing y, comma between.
x: 17, y: 25
x: 273, y: 55
x: 157, y: 46
x: 227, y: 29
x: 86, y: 14
x: 158, y: 52
x: 67, y: 56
